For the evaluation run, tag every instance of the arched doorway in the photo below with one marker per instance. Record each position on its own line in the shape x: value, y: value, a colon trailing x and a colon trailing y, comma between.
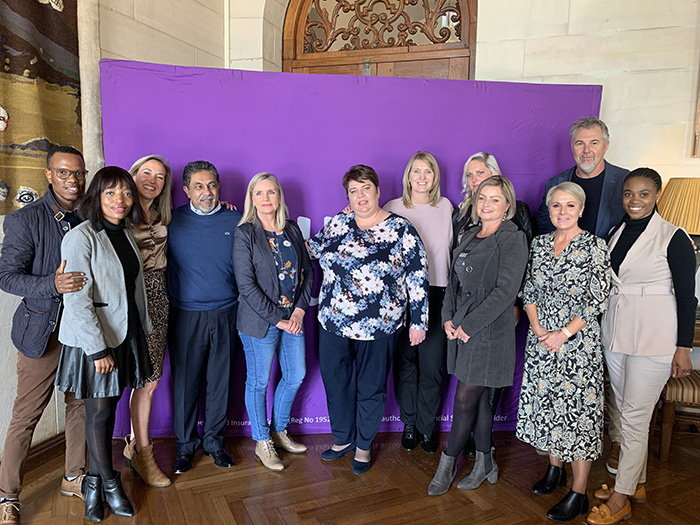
x: 394, y: 38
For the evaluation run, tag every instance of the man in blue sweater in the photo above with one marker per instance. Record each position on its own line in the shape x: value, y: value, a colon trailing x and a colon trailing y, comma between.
x: 203, y: 305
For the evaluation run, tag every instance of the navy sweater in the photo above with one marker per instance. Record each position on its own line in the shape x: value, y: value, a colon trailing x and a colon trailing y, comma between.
x: 200, y: 259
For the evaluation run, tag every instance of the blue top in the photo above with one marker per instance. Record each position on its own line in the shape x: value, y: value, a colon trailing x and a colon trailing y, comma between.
x: 370, y: 276
x: 200, y: 259
x: 286, y: 263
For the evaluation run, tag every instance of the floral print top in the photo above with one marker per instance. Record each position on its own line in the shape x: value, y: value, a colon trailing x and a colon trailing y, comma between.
x: 286, y: 263
x: 369, y: 276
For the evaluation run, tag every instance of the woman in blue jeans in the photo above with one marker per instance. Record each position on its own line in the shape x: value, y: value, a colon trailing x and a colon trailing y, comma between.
x: 274, y: 277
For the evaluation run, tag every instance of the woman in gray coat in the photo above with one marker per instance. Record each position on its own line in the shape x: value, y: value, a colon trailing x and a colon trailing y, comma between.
x: 477, y: 314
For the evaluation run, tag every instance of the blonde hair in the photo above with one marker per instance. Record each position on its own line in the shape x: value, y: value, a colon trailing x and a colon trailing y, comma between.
x: 570, y: 188
x: 250, y: 213
x: 434, y: 194
x: 163, y: 203
x: 498, y: 181
x: 492, y: 165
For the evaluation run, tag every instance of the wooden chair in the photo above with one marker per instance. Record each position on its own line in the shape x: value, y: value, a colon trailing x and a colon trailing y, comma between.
x: 678, y: 392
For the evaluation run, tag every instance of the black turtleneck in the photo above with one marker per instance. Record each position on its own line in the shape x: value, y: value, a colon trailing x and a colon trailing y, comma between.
x: 127, y: 256
x: 681, y: 262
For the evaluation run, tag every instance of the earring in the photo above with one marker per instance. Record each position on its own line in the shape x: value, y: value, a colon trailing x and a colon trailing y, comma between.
x: 505, y: 215
x: 580, y: 215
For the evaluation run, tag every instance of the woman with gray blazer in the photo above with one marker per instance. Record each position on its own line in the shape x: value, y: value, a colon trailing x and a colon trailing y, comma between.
x: 104, y: 326
x: 274, y: 278
x: 477, y: 315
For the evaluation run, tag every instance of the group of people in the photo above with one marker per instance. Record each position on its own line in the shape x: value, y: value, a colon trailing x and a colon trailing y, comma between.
x: 112, y: 274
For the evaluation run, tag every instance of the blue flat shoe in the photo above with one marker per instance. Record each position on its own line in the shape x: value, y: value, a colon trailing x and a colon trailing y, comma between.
x: 360, y: 467
x: 332, y: 455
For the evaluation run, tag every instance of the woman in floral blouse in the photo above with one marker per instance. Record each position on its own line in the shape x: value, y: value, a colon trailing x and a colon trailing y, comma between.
x: 561, y: 400
x: 374, y: 264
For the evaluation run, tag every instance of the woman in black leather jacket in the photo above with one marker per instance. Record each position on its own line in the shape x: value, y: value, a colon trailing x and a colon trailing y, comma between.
x: 478, y: 168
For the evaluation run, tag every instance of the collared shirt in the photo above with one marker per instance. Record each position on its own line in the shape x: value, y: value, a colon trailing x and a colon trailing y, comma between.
x: 200, y: 212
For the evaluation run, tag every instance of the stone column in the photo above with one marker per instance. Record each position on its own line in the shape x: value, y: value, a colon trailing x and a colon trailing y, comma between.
x: 89, y: 55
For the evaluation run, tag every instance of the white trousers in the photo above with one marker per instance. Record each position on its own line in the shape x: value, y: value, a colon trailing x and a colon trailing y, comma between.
x: 637, y: 383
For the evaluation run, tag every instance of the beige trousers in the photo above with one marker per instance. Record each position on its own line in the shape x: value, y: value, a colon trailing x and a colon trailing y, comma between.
x: 637, y: 383
x: 34, y: 388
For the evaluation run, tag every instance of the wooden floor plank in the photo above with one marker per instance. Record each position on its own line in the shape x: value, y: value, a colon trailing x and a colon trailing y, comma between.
x: 394, y: 492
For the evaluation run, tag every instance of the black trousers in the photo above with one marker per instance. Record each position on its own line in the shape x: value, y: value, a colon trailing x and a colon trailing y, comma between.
x: 419, y: 370
x: 354, y: 374
x: 201, y: 349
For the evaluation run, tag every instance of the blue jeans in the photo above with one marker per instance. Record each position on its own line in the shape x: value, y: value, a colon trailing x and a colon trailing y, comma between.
x: 291, y: 352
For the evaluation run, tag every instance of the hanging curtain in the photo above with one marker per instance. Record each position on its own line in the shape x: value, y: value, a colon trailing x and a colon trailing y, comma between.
x: 39, y: 93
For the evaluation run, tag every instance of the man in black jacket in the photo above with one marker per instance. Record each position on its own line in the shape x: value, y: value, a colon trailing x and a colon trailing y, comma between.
x: 31, y: 266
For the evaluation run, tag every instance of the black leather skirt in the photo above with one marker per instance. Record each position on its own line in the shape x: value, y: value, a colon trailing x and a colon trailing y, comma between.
x: 76, y: 371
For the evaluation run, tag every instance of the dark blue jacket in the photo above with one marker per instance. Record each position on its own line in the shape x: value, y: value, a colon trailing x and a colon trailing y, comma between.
x: 31, y: 254
x: 610, y: 211
x: 258, y: 281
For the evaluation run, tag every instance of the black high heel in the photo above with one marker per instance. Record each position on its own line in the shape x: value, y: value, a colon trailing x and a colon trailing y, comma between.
x: 572, y: 505
x: 553, y: 478
x: 116, y: 497
x: 92, y: 492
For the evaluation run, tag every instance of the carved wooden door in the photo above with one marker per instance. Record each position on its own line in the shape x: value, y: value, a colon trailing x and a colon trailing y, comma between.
x: 394, y: 38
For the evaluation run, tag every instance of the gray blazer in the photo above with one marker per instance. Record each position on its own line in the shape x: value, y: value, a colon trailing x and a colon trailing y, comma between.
x: 256, y: 276
x: 96, y: 317
x: 480, y: 297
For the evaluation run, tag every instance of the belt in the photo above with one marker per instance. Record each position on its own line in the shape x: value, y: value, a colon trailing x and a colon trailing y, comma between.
x: 641, y: 290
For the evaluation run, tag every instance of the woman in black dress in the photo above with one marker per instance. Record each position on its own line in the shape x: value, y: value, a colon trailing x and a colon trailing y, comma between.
x: 103, y: 327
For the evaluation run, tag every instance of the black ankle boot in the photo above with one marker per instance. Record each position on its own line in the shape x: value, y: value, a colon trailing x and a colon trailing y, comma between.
x: 573, y: 504
x: 553, y: 478
x: 92, y: 492
x: 116, y: 497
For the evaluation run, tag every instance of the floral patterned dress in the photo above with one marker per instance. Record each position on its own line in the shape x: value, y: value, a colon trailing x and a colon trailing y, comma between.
x: 369, y: 276
x: 561, y: 398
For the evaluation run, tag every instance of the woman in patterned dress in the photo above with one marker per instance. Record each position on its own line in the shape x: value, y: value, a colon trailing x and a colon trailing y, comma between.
x: 561, y: 400
x: 274, y: 278
x: 373, y: 263
x: 153, y: 180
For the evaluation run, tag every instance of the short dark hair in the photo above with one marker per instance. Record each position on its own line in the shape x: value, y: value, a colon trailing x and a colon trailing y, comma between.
x: 645, y: 173
x: 360, y: 173
x: 194, y: 167
x: 90, y: 205
x: 62, y: 149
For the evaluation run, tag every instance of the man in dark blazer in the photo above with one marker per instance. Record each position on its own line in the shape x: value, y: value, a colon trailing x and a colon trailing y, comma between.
x: 203, y: 306
x: 600, y: 180
x: 31, y: 266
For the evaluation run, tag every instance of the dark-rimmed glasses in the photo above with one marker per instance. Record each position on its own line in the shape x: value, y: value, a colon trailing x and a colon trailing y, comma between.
x: 63, y: 173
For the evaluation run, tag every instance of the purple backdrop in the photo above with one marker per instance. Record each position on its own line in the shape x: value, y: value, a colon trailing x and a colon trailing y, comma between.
x: 308, y: 129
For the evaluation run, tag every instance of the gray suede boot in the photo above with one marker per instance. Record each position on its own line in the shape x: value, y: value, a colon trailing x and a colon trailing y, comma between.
x: 479, y: 474
x: 446, y: 471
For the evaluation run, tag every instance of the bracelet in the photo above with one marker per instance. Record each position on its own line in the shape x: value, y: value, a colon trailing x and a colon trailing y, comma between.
x: 567, y: 333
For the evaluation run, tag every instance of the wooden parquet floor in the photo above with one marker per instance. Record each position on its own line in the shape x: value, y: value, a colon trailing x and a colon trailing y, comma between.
x: 312, y: 491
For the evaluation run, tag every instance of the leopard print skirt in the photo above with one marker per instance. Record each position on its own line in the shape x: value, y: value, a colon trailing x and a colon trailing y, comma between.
x: 158, y: 308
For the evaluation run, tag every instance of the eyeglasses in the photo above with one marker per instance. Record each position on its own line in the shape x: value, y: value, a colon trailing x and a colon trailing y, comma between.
x: 63, y: 173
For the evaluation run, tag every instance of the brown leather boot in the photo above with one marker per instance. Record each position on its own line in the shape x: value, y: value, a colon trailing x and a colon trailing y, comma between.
x: 144, y: 465
x: 9, y: 512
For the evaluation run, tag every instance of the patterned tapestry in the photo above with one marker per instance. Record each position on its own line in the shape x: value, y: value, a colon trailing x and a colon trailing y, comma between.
x: 39, y: 93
